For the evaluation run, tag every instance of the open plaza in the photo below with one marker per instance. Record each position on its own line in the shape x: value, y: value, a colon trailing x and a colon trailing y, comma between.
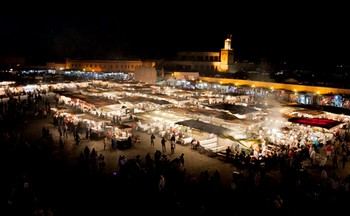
x: 247, y: 135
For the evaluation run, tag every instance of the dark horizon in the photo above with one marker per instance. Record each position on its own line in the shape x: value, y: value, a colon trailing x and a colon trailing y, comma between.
x: 305, y: 42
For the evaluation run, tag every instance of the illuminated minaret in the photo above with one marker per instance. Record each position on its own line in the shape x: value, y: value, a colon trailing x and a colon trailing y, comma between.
x: 226, y: 56
x: 228, y: 43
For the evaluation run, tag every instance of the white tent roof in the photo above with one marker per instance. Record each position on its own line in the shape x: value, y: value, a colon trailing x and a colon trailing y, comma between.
x: 114, y: 107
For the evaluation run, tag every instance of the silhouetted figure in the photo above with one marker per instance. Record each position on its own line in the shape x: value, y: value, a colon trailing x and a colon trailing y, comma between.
x: 163, y: 141
x: 228, y: 153
x: 152, y: 139
x: 182, y: 159
x: 86, y: 152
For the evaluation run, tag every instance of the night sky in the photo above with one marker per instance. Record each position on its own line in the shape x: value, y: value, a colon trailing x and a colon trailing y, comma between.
x: 304, y: 36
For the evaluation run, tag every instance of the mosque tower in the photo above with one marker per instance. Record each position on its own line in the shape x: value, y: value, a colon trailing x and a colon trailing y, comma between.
x: 226, y: 56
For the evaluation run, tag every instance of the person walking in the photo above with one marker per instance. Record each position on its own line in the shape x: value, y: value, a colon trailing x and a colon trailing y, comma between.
x: 105, y: 140
x: 228, y: 154
x: 173, y: 139
x: 161, y: 183
x: 77, y: 139
x: 182, y: 159
x: 172, y: 147
x: 172, y: 143
x: 152, y: 139
x: 163, y: 141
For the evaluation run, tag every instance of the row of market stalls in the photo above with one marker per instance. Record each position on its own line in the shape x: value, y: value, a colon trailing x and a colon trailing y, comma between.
x: 97, y: 106
x: 161, y: 110
x: 97, y: 127
x: 212, y: 129
x: 217, y: 120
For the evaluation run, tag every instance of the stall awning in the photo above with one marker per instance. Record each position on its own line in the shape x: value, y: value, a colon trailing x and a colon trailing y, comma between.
x: 205, y: 127
x: 319, y: 122
x: 120, y: 126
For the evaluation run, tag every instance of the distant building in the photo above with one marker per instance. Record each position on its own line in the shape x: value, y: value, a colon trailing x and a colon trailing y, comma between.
x: 146, y: 74
x: 104, y: 65
x: 186, y: 75
x: 222, y: 61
